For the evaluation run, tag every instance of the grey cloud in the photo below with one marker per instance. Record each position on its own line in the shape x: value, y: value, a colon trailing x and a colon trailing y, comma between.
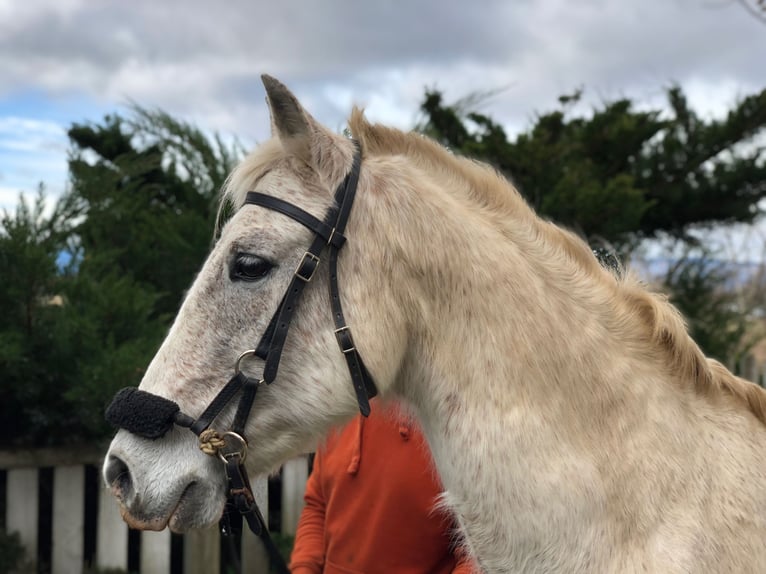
x: 311, y: 39
x: 202, y: 59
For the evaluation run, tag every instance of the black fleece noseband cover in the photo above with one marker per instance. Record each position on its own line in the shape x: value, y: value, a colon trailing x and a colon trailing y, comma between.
x: 142, y: 413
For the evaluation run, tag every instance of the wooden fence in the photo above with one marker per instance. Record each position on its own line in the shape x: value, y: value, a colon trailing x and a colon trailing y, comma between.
x: 69, y: 523
x: 749, y: 368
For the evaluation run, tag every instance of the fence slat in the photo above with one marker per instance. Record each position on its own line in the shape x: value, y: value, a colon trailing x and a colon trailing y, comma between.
x: 112, y: 538
x: 295, y: 473
x: 68, y: 519
x: 254, y: 556
x: 155, y: 552
x: 22, y: 507
x: 202, y: 551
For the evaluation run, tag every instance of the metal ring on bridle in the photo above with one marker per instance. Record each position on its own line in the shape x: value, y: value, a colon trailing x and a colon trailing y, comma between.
x: 248, y: 353
x: 242, y: 452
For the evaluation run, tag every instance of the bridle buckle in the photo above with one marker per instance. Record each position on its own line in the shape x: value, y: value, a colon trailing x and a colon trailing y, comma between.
x: 345, y: 340
x: 306, y: 267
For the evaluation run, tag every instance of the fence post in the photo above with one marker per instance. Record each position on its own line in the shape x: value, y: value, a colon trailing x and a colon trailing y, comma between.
x: 68, y: 519
x: 295, y: 473
x: 749, y: 369
x: 112, y: 533
x: 155, y: 552
x: 22, y: 507
x: 202, y: 551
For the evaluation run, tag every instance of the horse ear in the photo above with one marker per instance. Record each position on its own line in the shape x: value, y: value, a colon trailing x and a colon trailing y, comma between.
x: 274, y: 132
x: 295, y: 127
x: 287, y: 115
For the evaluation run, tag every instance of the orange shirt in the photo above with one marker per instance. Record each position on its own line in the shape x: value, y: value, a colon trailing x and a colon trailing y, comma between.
x: 370, y: 505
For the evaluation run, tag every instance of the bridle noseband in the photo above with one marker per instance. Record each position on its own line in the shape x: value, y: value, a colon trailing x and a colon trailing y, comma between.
x: 152, y: 416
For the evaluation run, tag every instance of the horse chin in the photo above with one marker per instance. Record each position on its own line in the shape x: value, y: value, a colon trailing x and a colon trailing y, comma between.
x: 196, y: 509
x: 138, y: 522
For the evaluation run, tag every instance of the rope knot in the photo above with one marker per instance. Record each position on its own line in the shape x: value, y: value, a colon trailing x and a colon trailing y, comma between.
x: 210, y: 442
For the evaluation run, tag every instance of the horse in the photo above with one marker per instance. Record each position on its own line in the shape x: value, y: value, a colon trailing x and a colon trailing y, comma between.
x: 574, y: 423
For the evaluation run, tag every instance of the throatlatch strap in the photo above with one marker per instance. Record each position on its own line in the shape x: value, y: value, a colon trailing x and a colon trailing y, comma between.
x: 364, y: 386
x: 346, y: 199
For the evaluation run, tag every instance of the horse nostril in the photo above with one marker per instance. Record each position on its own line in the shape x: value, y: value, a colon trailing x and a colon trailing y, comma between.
x: 117, y: 476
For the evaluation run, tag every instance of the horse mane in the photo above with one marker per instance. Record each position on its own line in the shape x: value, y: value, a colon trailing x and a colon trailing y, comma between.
x: 660, y: 322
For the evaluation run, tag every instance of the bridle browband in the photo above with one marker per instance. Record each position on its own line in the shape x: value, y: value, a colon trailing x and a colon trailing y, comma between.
x: 152, y: 416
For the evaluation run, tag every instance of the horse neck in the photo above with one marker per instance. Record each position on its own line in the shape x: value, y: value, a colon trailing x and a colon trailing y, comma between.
x: 497, y: 300
x: 502, y: 318
x: 539, y: 387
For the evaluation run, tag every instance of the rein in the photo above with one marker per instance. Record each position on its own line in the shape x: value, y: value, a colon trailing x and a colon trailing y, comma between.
x: 152, y: 416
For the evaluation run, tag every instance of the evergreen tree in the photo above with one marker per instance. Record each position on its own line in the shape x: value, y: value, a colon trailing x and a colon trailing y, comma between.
x: 88, y: 292
x: 623, y: 174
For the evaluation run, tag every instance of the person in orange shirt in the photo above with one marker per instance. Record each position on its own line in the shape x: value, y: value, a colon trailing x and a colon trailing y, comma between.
x: 371, y: 504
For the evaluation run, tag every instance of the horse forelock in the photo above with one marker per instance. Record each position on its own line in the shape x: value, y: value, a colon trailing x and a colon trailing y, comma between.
x: 331, y: 158
x: 244, y: 176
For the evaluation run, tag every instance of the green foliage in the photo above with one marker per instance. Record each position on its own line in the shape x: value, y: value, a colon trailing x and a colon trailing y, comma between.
x: 64, y: 334
x: 12, y: 554
x: 703, y: 172
x: 284, y: 543
x: 623, y: 174
x: 89, y: 290
x: 206, y: 160
x: 30, y: 243
x: 717, y: 321
x: 150, y: 210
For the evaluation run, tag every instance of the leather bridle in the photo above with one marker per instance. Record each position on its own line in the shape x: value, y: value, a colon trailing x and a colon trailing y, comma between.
x: 152, y: 416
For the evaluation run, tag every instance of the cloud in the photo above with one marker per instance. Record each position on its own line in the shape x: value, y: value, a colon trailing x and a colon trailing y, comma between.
x: 31, y: 152
x: 201, y: 60
x: 25, y: 134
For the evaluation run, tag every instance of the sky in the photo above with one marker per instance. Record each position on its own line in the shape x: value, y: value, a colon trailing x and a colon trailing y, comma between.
x: 73, y: 61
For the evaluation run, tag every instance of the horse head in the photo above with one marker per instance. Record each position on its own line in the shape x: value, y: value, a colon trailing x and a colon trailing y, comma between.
x: 239, y: 294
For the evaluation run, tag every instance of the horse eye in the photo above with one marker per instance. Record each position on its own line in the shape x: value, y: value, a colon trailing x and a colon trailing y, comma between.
x: 247, y: 267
